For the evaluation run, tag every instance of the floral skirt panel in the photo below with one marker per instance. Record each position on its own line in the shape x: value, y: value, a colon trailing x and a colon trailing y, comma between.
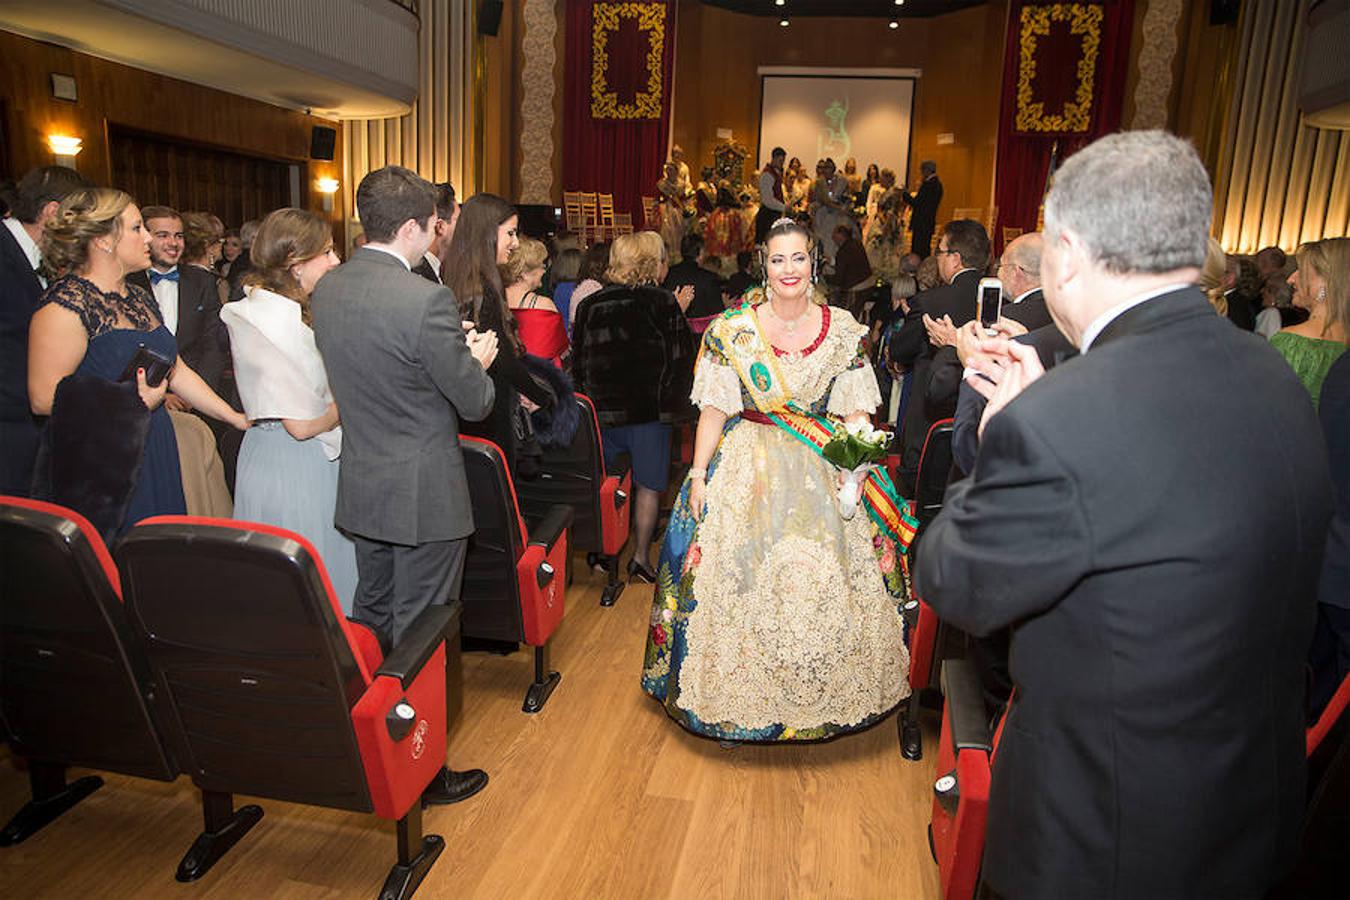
x: 774, y: 619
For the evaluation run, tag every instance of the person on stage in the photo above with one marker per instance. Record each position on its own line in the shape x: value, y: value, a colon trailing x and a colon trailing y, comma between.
x: 924, y: 202
x: 774, y: 618
x: 772, y: 199
x: 829, y: 206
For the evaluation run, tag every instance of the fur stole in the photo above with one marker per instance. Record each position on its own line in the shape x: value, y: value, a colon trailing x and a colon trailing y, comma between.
x: 90, y: 454
x: 554, y: 427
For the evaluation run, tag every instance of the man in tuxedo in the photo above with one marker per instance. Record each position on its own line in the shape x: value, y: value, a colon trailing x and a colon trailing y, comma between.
x: 35, y: 199
x: 1154, y: 746
x: 447, y: 213
x: 689, y: 271
x: 403, y: 373
x: 963, y: 254
x: 188, y: 302
x: 924, y: 203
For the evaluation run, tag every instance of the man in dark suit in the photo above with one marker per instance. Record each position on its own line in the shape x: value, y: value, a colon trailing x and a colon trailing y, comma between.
x: 689, y: 271
x: 963, y: 254
x: 924, y: 203
x: 1154, y: 746
x: 36, y: 197
x: 402, y: 373
x: 1240, y: 311
x: 741, y: 280
x: 447, y: 213
x: 188, y: 301
x: 1019, y: 270
x: 852, y: 270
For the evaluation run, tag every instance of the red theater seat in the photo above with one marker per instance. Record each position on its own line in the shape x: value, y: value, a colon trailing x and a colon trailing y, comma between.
x: 575, y: 476
x: 961, y: 791
x: 75, y: 688
x: 930, y: 481
x: 270, y: 690
x: 514, y: 578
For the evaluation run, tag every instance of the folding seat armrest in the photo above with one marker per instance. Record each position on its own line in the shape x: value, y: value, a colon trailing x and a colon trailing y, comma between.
x: 427, y: 633
x: 965, y: 706
x: 547, y: 530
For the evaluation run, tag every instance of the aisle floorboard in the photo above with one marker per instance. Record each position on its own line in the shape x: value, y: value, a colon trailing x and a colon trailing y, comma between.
x: 598, y: 796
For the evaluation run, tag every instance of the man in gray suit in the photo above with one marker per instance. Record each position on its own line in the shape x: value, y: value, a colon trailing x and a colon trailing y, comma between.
x: 402, y: 372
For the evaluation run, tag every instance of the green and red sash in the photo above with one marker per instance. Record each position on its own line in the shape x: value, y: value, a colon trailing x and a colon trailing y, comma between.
x: 755, y: 363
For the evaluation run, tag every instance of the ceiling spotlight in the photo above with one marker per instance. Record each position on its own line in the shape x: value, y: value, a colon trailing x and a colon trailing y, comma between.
x: 899, y: 2
x: 895, y: 23
x: 779, y: 2
x: 783, y: 22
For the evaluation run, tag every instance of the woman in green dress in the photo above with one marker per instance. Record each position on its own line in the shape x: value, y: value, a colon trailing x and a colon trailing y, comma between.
x: 1319, y: 287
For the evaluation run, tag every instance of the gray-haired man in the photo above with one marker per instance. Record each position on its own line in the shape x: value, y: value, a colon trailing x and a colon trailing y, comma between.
x: 1154, y: 744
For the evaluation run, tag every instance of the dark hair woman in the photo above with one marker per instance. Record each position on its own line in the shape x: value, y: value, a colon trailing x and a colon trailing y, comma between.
x: 485, y: 237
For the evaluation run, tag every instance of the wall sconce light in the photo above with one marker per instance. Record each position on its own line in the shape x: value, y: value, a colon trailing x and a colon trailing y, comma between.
x: 328, y: 187
x: 64, y: 148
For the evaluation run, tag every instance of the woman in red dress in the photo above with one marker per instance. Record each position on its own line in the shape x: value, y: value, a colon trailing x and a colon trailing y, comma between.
x: 538, y: 321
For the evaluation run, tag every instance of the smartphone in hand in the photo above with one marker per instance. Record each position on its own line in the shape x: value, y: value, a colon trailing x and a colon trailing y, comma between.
x: 990, y: 304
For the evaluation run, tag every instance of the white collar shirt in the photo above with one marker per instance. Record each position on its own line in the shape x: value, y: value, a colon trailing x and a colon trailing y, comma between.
x: 166, y: 295
x: 27, y: 245
x: 1098, y: 325
x: 434, y: 263
x: 1024, y: 295
x: 392, y: 252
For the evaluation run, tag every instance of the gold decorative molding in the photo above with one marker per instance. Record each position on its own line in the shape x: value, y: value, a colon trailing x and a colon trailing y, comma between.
x: 540, y: 27
x: 1084, y: 21
x: 1153, y: 90
x: 605, y: 18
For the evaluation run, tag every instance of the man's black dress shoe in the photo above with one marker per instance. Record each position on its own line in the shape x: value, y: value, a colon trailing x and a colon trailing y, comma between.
x: 450, y: 786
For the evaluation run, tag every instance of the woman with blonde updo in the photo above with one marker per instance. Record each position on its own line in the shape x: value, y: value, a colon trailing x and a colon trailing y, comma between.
x: 632, y: 354
x: 203, y: 238
x: 1211, y: 277
x: 91, y: 324
x: 288, y: 464
x: 538, y: 322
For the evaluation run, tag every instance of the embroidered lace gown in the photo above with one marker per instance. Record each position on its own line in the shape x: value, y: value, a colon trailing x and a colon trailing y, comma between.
x: 774, y: 619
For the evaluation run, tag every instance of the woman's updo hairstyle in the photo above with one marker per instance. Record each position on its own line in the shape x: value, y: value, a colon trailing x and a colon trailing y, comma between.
x: 636, y: 259
x: 287, y: 238
x: 83, y: 216
x: 785, y: 227
x: 201, y: 230
x: 528, y: 256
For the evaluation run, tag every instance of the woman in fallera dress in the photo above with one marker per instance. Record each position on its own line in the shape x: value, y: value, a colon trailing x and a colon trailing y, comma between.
x: 774, y: 618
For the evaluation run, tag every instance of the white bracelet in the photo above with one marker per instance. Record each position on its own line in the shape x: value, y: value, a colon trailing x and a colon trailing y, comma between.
x: 700, y: 474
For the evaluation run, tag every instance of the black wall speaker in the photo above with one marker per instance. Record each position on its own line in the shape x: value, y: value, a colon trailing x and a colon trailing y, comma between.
x: 489, y: 17
x: 1224, y: 12
x: 322, y: 140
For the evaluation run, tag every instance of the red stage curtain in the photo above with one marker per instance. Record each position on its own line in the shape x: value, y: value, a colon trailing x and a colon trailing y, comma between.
x: 1063, y: 83
x: 619, y: 73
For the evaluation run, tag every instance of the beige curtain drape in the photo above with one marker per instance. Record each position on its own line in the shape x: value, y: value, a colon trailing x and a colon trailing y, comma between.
x: 1279, y: 182
x: 433, y: 139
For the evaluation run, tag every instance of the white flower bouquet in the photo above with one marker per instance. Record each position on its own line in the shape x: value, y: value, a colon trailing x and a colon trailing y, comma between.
x: 856, y: 449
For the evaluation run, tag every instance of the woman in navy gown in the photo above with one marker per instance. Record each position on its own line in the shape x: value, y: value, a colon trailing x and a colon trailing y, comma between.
x: 91, y: 322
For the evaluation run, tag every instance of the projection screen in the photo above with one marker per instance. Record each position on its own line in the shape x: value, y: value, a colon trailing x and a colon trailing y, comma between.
x: 827, y: 113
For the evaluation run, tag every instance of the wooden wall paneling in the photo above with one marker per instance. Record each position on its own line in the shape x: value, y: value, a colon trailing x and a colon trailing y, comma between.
x: 134, y: 99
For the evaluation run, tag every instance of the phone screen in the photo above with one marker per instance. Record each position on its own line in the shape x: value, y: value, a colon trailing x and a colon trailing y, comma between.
x: 991, y: 297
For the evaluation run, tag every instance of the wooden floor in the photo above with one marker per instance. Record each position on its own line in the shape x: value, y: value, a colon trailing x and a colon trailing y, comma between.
x: 598, y: 796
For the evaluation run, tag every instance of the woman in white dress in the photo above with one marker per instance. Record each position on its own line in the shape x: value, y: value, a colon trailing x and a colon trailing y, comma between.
x: 774, y: 618
x: 288, y: 464
x: 829, y: 207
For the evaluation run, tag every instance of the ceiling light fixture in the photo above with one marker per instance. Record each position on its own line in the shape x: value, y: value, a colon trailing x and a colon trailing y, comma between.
x: 783, y: 22
x: 894, y: 23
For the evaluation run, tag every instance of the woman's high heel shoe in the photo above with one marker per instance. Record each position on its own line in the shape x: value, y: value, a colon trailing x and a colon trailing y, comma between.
x: 640, y: 572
